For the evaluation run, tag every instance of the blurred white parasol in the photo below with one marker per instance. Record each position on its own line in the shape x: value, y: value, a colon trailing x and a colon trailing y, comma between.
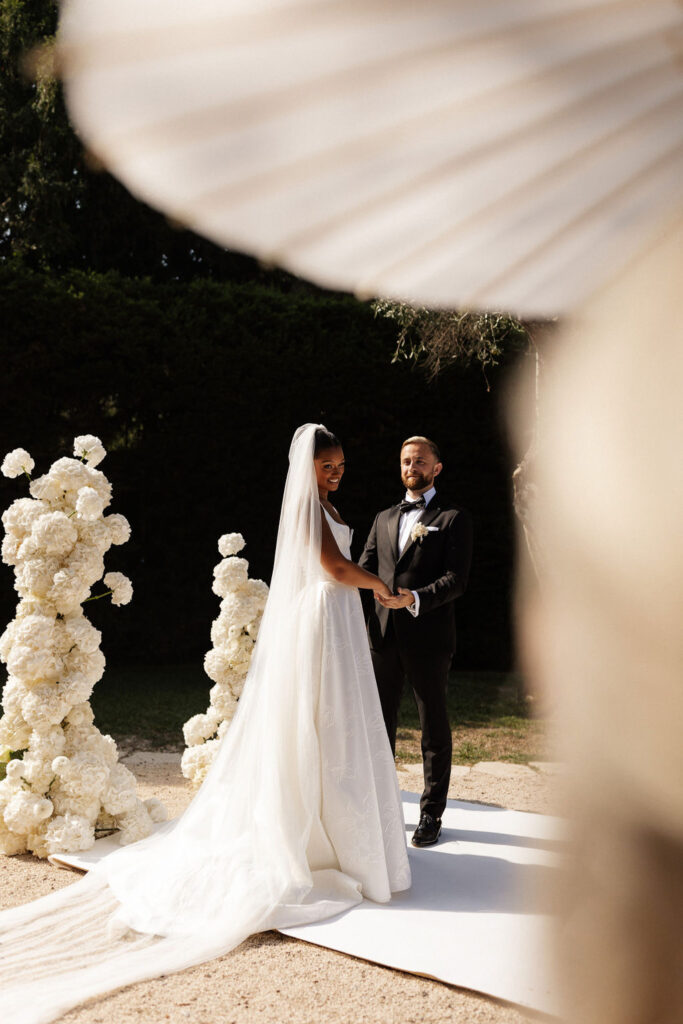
x: 507, y: 154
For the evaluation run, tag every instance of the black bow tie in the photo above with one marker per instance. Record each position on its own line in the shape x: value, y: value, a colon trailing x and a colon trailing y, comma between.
x: 409, y: 506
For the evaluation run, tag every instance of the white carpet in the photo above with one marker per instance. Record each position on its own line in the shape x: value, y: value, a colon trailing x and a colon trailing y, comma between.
x: 477, y: 915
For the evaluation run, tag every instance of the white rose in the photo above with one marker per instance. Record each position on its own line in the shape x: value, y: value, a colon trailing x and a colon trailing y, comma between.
x: 69, y: 833
x: 26, y: 810
x: 230, y: 544
x: 17, y: 462
x: 90, y: 448
x: 120, y: 586
x: 89, y: 504
x: 119, y: 528
x: 54, y: 533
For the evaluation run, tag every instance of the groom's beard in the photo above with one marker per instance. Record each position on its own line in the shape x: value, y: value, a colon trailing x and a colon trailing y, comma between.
x: 417, y: 481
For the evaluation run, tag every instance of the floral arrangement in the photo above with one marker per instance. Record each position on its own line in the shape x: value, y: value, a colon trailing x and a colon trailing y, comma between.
x: 233, y: 635
x: 60, y: 780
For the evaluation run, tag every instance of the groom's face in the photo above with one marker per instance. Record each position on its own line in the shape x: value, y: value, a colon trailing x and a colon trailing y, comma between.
x: 419, y: 467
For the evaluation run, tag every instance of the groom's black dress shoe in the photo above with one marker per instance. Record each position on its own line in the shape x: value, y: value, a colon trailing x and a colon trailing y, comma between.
x: 427, y: 832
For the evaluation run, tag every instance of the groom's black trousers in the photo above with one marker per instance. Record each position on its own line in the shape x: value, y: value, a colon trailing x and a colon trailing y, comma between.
x: 427, y: 673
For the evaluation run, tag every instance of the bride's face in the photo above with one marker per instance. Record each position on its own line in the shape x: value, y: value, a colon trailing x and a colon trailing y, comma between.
x: 329, y: 468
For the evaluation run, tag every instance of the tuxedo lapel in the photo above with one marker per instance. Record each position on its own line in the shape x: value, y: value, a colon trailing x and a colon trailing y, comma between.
x: 392, y: 526
x: 430, y: 513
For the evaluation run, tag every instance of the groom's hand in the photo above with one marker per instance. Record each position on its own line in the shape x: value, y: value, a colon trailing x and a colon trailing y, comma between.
x: 403, y: 599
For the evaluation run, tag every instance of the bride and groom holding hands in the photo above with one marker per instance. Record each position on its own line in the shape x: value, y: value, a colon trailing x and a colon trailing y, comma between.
x: 421, y: 550
x: 300, y: 814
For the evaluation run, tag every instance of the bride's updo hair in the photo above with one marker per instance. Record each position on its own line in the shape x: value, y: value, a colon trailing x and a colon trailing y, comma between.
x: 324, y: 440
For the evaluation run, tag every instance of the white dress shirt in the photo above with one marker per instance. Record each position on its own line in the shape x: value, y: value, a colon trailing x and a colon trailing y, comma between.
x: 405, y: 528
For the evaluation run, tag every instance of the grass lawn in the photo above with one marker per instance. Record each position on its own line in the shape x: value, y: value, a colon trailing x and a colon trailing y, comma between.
x: 489, y: 712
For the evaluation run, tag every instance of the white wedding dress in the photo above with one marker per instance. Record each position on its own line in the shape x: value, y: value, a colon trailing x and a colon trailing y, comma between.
x: 298, y: 819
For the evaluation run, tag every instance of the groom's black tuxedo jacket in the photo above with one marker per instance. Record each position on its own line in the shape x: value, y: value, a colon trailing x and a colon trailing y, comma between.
x: 436, y: 567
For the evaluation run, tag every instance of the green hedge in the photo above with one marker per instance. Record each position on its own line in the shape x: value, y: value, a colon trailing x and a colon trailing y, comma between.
x: 195, y: 389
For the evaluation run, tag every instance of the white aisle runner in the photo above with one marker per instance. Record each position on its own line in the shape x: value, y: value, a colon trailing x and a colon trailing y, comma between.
x: 478, y: 912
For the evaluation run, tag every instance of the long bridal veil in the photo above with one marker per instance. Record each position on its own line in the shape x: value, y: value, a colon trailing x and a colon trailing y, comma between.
x: 236, y: 861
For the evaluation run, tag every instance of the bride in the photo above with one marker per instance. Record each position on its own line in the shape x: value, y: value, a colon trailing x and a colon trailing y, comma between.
x: 298, y: 818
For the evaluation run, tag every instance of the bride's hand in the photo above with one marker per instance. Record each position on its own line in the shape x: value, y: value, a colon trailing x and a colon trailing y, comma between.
x: 382, y: 592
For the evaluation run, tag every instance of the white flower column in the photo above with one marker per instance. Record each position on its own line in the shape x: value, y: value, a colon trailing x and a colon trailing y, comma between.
x: 233, y: 635
x: 60, y: 780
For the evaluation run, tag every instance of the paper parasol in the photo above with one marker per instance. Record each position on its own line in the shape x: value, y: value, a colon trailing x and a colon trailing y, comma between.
x: 501, y: 154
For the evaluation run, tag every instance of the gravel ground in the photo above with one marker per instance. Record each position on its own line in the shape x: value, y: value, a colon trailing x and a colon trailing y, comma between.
x: 272, y: 978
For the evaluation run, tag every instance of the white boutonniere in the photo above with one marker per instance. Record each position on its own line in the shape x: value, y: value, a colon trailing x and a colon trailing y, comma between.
x: 420, y: 530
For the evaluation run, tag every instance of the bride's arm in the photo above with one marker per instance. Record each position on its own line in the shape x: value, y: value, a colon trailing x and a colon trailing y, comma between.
x: 343, y: 569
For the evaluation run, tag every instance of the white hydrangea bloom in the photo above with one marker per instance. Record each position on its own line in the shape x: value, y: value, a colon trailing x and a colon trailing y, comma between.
x: 95, y: 535
x: 10, y: 548
x: 11, y: 844
x: 232, y: 634
x: 69, y: 474
x: 119, y: 795
x: 21, y: 515
x: 119, y: 528
x: 68, y: 833
x: 25, y: 811
x: 156, y: 809
x: 34, y: 578
x: 230, y: 544
x: 80, y: 631
x: 17, y: 462
x: 61, y: 775
x: 47, y: 488
x: 89, y: 504
x: 90, y: 448
x: 201, y: 727
x: 54, y: 533
x: 33, y: 663
x: 68, y: 591
x: 135, y: 824
x: 44, y: 705
x: 230, y: 574
x: 120, y: 586
x: 196, y: 761
x: 14, y: 731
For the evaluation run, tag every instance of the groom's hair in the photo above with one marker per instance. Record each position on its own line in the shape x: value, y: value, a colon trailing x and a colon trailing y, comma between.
x: 324, y: 440
x: 418, y: 439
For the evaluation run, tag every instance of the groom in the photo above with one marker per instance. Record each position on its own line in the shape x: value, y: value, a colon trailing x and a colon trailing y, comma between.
x: 422, y: 550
